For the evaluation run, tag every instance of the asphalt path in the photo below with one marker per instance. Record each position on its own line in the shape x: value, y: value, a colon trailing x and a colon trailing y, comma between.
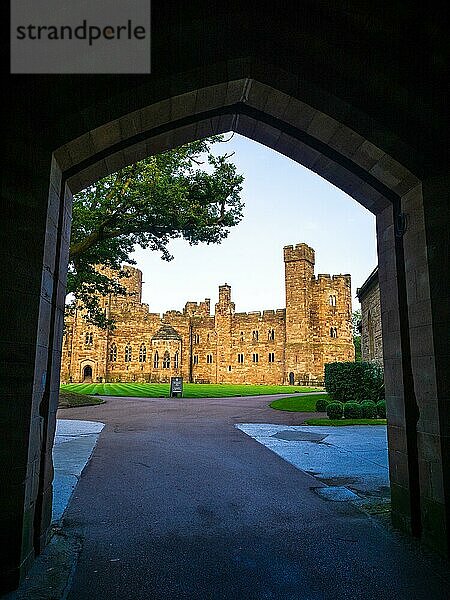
x: 176, y: 503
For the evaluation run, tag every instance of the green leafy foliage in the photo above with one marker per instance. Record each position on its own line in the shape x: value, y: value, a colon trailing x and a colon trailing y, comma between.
x: 381, y: 409
x: 354, y: 381
x: 147, y: 204
x: 322, y: 403
x: 369, y: 410
x: 352, y: 410
x: 335, y: 410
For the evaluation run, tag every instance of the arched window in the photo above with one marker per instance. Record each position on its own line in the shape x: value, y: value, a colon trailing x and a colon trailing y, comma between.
x: 128, y: 353
x: 88, y: 338
x: 113, y: 352
x: 156, y: 360
x: 142, y: 353
x: 175, y: 361
x: 332, y: 300
x: 333, y: 332
x: 255, y: 335
x: 166, y: 360
x: 271, y: 335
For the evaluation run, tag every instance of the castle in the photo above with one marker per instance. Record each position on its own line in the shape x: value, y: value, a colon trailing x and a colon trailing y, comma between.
x: 289, y: 345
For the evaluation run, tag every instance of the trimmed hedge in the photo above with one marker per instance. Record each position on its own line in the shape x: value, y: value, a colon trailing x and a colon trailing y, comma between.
x: 321, y: 404
x: 354, y: 381
x: 381, y: 409
x: 335, y: 410
x: 352, y: 410
x: 368, y: 410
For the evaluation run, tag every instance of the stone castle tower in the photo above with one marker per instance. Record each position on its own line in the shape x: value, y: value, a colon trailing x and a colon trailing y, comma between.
x: 289, y: 345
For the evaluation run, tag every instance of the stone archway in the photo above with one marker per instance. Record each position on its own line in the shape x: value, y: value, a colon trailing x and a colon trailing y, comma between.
x: 371, y: 127
x: 87, y: 374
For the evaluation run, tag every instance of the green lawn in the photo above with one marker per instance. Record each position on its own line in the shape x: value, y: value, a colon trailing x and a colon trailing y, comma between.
x: 341, y: 422
x: 297, y: 403
x: 190, y: 390
x: 72, y: 399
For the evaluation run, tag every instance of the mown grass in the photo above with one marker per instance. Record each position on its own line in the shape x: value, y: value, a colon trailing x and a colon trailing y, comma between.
x: 297, y: 403
x: 72, y: 399
x: 342, y: 422
x: 190, y: 390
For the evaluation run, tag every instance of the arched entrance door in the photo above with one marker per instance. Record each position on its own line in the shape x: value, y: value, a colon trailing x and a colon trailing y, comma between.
x: 291, y: 378
x: 87, y: 374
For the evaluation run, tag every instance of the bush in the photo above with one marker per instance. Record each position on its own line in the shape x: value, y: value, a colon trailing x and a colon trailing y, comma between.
x: 334, y: 410
x: 352, y: 410
x: 354, y: 381
x: 368, y: 410
x: 381, y: 409
x: 321, y: 404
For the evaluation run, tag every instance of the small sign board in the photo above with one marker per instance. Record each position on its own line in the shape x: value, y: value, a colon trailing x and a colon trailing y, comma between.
x: 176, y: 387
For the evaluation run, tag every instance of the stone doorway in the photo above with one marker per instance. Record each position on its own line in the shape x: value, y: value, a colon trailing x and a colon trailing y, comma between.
x: 87, y: 374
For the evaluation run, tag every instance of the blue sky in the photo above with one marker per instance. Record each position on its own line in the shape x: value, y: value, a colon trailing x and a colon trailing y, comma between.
x: 285, y: 203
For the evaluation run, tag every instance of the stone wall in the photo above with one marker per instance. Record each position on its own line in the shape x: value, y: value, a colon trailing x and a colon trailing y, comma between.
x: 371, y: 332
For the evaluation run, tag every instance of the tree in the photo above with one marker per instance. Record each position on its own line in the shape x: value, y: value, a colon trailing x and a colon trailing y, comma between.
x: 356, y: 328
x: 147, y: 204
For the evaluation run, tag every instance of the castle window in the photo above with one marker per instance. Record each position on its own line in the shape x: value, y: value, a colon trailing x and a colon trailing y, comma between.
x: 333, y: 332
x: 207, y: 338
x: 229, y: 367
x: 209, y: 359
x: 195, y: 359
x: 128, y: 353
x: 166, y: 360
x: 241, y: 337
x: 255, y: 357
x: 88, y: 338
x: 240, y: 358
x: 271, y: 357
x: 113, y: 352
x: 196, y: 338
x: 255, y: 335
x: 142, y: 353
x: 156, y: 360
x: 175, y: 361
x: 271, y: 335
x: 332, y: 300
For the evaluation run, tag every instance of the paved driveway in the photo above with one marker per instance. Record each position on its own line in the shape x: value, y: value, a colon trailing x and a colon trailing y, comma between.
x: 177, y: 503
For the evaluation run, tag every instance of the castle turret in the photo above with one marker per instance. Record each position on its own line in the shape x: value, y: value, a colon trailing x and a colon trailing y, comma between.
x: 299, y: 279
x: 223, y: 322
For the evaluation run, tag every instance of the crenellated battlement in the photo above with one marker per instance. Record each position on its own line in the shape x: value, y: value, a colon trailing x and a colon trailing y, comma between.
x: 299, y: 252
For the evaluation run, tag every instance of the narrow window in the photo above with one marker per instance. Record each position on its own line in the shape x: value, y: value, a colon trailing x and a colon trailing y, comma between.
x: 240, y: 358
x: 207, y: 338
x: 195, y: 359
x: 209, y: 359
x: 271, y: 335
x: 88, y: 338
x: 332, y: 300
x: 142, y: 353
x: 229, y: 367
x: 166, y: 360
x: 241, y: 337
x: 156, y: 360
x: 128, y: 353
x: 175, y: 361
x: 113, y: 352
x: 333, y: 332
x: 196, y: 338
x: 271, y: 357
x: 255, y: 358
x: 255, y: 335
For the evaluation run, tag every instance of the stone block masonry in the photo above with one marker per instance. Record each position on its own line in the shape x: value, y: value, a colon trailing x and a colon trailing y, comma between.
x: 282, y: 346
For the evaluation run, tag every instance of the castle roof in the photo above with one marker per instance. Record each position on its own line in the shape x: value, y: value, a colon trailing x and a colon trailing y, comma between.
x: 166, y: 332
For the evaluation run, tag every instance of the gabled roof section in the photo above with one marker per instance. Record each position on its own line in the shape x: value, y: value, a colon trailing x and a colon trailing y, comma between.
x: 166, y: 332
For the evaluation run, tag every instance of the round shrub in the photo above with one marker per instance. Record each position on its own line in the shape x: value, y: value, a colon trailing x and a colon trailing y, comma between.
x: 352, y: 410
x: 381, y: 409
x: 321, y: 404
x: 368, y: 410
x: 334, y: 410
